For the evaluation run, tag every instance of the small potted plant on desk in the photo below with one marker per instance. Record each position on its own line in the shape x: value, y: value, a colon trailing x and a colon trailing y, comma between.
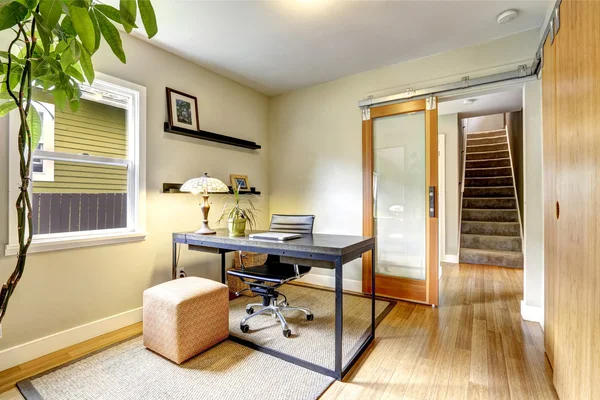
x: 238, y: 212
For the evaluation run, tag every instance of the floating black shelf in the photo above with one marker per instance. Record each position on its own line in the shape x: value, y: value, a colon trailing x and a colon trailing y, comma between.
x: 213, y: 137
x: 173, y: 188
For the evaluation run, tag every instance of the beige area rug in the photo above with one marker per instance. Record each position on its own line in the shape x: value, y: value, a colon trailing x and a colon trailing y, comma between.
x: 312, y: 341
x: 129, y: 371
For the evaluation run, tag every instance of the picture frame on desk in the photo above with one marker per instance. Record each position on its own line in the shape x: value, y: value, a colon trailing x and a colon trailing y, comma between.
x: 182, y: 110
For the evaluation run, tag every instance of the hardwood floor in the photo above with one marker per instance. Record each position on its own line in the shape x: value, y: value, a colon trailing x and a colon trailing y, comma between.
x: 474, y: 346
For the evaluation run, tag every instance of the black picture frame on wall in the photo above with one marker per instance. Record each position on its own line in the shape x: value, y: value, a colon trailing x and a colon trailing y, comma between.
x: 182, y: 110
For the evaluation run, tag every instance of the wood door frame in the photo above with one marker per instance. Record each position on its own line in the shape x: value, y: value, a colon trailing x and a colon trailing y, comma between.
x: 420, y: 291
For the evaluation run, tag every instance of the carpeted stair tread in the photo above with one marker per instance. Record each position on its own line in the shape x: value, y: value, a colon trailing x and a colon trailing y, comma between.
x: 487, y: 172
x: 490, y: 242
x: 492, y: 257
x: 489, y: 191
x: 487, y: 155
x: 486, y: 134
x: 490, y: 215
x: 488, y: 140
x: 478, y: 148
x: 490, y: 228
x: 489, y: 181
x: 498, y: 162
x: 489, y: 202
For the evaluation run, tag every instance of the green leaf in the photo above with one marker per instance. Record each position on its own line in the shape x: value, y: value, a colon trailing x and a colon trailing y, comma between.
x: 15, y: 76
x: 87, y: 66
x: 31, y: 4
x: 75, y: 50
x: 112, y: 37
x: 83, y: 26
x: 74, y: 105
x: 128, y: 11
x: 7, y: 107
x: 12, y: 13
x: 110, y: 12
x: 61, y: 46
x: 97, y: 34
x: 51, y: 10
x: 66, y: 59
x: 148, y: 17
x: 75, y: 73
x: 45, y: 34
x: 60, y: 98
x: 35, y: 127
x: 67, y: 26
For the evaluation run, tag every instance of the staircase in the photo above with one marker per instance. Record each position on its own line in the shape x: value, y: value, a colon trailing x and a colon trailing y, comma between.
x: 490, y: 227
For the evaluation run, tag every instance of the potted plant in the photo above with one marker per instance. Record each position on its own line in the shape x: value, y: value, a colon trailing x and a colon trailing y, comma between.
x: 239, y: 212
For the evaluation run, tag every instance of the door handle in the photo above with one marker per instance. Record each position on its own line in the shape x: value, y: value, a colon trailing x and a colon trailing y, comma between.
x: 431, y: 201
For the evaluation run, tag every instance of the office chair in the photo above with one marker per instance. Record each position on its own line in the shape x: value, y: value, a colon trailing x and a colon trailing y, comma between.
x: 265, y: 279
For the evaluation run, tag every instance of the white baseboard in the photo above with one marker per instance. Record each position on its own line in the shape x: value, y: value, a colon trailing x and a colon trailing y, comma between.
x: 329, y: 281
x: 532, y: 313
x: 450, y: 258
x: 46, y: 345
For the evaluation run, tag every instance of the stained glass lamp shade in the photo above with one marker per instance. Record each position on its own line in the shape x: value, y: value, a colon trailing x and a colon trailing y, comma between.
x: 205, y: 185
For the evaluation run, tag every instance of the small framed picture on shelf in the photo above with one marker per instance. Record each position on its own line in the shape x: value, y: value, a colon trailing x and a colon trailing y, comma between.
x: 240, y: 181
x: 182, y: 110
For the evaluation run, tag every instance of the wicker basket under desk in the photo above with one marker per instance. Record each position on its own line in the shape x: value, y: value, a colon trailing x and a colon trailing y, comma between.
x: 250, y: 260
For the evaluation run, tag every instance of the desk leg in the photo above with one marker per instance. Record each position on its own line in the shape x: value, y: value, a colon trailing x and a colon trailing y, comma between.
x: 373, y: 292
x: 223, y: 275
x: 339, y: 317
x: 174, y: 265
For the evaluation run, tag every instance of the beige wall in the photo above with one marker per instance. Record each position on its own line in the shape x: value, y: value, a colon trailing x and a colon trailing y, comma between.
x: 533, y: 197
x: 65, y: 289
x: 448, y: 126
x: 315, y: 133
x: 485, y: 123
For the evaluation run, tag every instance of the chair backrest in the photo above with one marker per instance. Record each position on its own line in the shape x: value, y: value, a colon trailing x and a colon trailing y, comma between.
x: 292, y: 223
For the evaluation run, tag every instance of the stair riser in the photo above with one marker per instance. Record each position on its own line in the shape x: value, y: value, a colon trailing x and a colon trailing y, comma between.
x: 486, y: 134
x: 490, y: 215
x: 489, y: 182
x: 485, y: 228
x: 489, y: 203
x: 488, y: 164
x: 472, y: 173
x: 489, y: 192
x: 514, y: 261
x: 505, y: 243
x: 491, y: 140
x: 487, y: 155
x: 489, y: 147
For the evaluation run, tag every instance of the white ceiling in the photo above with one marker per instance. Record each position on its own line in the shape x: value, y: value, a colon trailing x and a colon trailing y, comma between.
x: 494, y: 103
x: 278, y: 46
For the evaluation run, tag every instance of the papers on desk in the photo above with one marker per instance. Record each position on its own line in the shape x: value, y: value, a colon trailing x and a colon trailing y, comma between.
x: 277, y: 236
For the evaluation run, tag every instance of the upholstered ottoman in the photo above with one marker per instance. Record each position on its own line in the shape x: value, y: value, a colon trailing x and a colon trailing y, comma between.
x: 185, y: 316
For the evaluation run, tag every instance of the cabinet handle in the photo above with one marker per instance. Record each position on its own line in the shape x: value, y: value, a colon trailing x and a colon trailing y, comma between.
x: 557, y: 210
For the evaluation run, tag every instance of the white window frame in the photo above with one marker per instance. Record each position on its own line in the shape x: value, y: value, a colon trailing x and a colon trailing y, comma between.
x: 46, y: 111
x: 136, y: 176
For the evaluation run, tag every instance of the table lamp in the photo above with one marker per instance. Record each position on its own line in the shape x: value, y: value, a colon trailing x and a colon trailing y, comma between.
x: 204, y: 184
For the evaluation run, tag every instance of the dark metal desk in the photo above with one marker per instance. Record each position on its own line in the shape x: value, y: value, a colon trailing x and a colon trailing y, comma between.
x: 317, y: 250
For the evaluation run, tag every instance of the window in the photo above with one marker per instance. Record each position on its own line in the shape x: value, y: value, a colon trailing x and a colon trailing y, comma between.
x: 88, y: 169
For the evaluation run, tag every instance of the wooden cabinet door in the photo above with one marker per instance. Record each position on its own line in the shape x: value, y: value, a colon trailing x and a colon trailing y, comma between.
x: 577, y: 70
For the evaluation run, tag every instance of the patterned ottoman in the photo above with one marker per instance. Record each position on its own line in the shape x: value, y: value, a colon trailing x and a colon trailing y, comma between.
x: 185, y: 316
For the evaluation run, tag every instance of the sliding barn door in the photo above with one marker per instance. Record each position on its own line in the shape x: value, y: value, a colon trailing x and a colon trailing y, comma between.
x: 400, y: 168
x: 572, y: 200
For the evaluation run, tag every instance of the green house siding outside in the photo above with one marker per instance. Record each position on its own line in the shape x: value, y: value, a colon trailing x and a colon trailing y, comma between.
x: 98, y: 130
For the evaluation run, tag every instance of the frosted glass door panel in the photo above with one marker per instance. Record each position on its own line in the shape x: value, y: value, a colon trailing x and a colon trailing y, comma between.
x: 400, y: 195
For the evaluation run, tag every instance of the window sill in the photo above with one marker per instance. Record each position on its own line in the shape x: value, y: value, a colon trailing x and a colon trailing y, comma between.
x: 64, y: 243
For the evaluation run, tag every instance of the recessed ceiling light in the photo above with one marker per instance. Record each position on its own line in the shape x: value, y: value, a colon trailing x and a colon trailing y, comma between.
x: 470, y: 101
x: 507, y: 16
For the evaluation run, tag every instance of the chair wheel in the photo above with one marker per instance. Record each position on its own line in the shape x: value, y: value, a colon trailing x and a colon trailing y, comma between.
x: 310, y: 317
x: 250, y: 311
x: 287, y: 333
x: 244, y: 328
